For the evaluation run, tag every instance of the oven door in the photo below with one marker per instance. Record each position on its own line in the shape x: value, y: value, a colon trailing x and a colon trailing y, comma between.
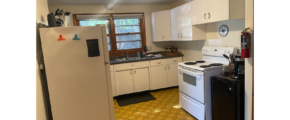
x: 191, y: 84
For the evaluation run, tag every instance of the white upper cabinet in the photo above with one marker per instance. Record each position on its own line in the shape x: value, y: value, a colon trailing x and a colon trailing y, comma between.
x: 174, y: 24
x: 199, y: 11
x: 161, y: 26
x: 181, y: 26
x: 207, y: 11
x: 218, y: 10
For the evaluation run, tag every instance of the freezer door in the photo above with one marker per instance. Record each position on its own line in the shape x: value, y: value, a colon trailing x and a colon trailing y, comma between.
x: 77, y: 82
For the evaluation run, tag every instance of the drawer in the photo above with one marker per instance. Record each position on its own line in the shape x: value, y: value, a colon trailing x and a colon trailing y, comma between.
x: 131, y: 65
x: 157, y: 62
x: 192, y: 106
x: 112, y: 68
x: 174, y: 60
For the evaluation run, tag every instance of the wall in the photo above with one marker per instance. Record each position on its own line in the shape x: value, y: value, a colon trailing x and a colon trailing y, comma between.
x: 178, y: 3
x: 192, y: 50
x: 147, y: 9
x: 41, y: 16
x: 249, y: 22
x: 41, y: 11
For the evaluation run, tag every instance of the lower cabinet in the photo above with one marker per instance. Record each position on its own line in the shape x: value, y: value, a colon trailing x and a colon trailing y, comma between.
x: 133, y: 80
x: 141, y: 79
x: 172, y: 73
x: 159, y: 77
x: 124, y: 82
x: 164, y: 76
x: 135, y: 77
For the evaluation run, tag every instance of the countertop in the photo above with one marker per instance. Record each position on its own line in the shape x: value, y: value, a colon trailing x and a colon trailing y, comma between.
x: 113, y: 59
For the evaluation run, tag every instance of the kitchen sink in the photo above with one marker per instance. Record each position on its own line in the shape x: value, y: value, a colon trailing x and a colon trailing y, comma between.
x: 127, y: 58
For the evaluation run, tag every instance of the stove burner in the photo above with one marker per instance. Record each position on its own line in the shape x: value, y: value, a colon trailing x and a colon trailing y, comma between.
x: 200, y: 61
x: 215, y: 64
x: 204, y: 66
x: 190, y: 63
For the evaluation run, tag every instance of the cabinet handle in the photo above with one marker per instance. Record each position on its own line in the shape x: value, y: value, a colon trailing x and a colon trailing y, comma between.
x: 178, y: 35
x: 204, y: 15
x: 174, y: 60
x: 158, y: 62
x: 162, y: 36
x: 168, y: 67
x: 165, y: 67
x: 131, y: 72
x: 208, y: 15
x: 134, y: 71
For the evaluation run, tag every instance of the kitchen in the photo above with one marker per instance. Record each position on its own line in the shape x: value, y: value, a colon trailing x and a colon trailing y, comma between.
x: 191, y: 50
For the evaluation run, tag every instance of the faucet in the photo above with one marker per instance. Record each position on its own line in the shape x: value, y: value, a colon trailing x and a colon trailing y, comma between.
x: 127, y: 54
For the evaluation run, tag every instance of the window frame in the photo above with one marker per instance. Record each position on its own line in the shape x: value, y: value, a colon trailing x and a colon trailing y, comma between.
x: 114, y: 51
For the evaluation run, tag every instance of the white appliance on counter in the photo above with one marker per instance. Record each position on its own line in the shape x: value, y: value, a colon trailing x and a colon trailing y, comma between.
x: 194, y: 80
x: 78, y: 72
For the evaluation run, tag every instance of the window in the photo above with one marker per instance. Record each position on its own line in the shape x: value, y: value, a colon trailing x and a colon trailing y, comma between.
x: 93, y: 22
x: 128, y: 35
x: 125, y: 32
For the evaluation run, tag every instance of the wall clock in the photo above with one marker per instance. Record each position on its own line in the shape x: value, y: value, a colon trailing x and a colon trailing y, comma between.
x: 223, y: 30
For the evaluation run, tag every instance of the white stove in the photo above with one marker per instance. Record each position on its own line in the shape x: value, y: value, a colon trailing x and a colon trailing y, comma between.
x: 192, y: 65
x: 194, y: 80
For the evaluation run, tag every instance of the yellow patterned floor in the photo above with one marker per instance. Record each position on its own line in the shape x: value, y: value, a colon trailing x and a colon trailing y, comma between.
x: 165, y: 107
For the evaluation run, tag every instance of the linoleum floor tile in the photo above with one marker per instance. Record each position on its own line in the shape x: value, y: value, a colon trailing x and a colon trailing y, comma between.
x: 165, y: 107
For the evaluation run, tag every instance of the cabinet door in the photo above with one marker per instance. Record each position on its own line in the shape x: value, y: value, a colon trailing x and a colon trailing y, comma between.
x: 172, y: 75
x: 113, y: 84
x: 184, y: 22
x: 175, y: 21
x: 199, y: 12
x: 162, y: 29
x: 124, y: 81
x: 218, y: 10
x: 141, y: 79
x: 159, y: 77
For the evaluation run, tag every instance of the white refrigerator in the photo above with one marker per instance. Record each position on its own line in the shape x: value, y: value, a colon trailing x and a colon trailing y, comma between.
x: 78, y: 72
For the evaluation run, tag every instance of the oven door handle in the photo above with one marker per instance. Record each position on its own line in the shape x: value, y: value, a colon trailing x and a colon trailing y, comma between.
x: 191, y: 73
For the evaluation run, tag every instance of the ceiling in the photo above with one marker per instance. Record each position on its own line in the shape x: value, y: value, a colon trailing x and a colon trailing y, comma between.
x: 104, y: 2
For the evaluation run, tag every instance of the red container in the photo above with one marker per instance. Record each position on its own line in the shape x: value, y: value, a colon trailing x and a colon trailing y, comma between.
x: 245, y: 53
